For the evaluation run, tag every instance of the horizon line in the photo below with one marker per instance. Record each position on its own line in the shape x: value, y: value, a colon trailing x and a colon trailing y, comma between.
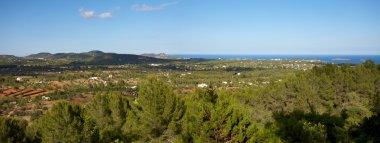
x: 223, y: 54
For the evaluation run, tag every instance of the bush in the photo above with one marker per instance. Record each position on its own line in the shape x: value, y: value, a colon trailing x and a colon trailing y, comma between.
x: 12, y: 130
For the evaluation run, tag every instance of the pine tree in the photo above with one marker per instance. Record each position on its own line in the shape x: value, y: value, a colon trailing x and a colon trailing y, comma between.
x: 109, y: 111
x: 65, y: 123
x: 161, y: 109
x: 12, y: 130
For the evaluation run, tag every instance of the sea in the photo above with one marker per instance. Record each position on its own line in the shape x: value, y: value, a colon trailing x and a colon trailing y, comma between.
x: 337, y: 59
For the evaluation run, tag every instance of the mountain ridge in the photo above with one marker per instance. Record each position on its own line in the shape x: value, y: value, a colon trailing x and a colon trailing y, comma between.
x: 94, y: 57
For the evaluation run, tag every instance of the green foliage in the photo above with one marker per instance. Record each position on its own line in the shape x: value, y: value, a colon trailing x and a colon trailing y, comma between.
x: 109, y: 112
x: 12, y: 130
x: 207, y: 95
x: 369, y: 129
x: 313, y: 133
x: 212, y: 119
x: 36, y: 114
x: 6, y: 102
x: 65, y: 123
x: 298, y: 126
x: 161, y: 110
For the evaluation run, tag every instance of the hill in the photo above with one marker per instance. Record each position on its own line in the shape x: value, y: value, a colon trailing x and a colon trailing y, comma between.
x: 86, y: 58
x: 160, y: 55
x: 118, y: 59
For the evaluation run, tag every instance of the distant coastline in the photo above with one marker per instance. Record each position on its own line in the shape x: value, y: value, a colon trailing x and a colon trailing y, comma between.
x: 338, y: 59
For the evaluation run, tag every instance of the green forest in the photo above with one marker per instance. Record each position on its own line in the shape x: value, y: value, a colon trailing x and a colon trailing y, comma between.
x: 330, y: 103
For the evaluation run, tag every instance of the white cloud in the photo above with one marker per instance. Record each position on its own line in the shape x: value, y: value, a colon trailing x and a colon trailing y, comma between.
x: 105, y: 15
x: 86, y: 13
x: 144, y: 7
x: 91, y: 14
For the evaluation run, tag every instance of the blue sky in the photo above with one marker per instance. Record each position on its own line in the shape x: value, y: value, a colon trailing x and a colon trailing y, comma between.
x: 191, y: 26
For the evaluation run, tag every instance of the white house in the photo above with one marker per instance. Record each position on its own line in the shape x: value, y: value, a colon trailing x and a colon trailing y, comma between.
x: 94, y: 78
x: 155, y: 65
x: 18, y: 79
x: 202, y: 85
x: 45, y: 98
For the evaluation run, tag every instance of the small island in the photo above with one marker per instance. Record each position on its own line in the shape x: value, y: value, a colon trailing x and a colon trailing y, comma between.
x: 341, y: 59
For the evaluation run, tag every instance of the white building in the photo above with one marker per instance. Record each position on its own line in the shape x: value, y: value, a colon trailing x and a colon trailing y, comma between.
x: 155, y: 65
x: 94, y: 78
x: 202, y: 85
x: 45, y: 98
x: 18, y: 79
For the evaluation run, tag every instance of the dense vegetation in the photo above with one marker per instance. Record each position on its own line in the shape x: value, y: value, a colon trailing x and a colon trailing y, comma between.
x: 326, y: 104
